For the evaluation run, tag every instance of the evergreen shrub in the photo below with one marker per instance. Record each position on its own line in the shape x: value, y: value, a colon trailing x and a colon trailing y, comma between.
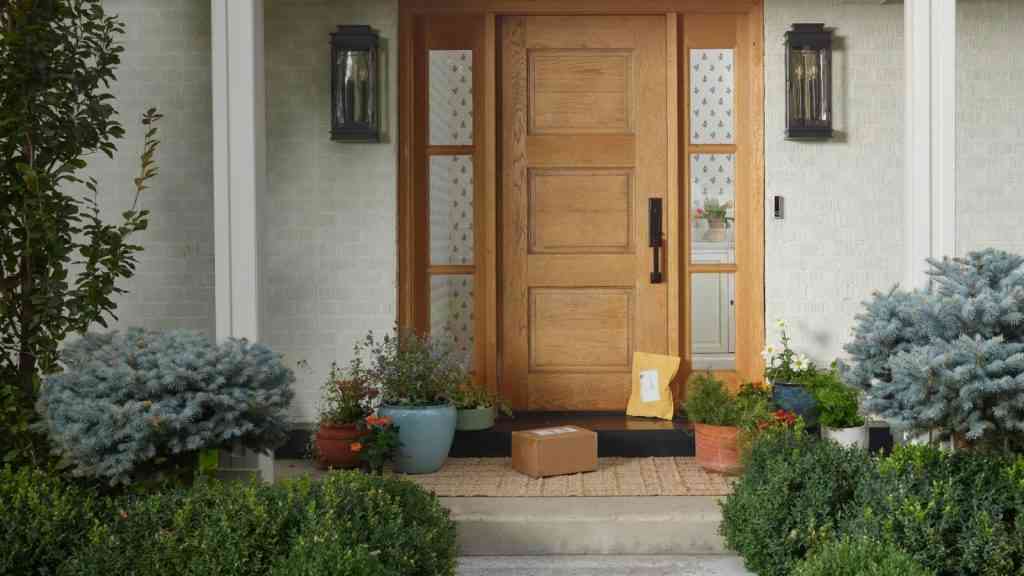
x: 132, y: 404
x: 790, y: 498
x: 859, y: 557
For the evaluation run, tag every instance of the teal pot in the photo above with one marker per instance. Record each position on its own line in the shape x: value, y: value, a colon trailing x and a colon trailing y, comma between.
x: 796, y: 399
x: 426, y: 434
x: 473, y: 419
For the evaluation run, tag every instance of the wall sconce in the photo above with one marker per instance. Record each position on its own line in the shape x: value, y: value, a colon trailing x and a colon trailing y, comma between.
x: 354, y: 84
x: 808, y: 81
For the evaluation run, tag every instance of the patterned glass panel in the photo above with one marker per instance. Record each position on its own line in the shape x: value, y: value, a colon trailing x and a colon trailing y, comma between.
x: 451, y: 97
x: 451, y: 312
x: 712, y: 87
x: 713, y: 321
x: 713, y: 199
x: 451, y: 209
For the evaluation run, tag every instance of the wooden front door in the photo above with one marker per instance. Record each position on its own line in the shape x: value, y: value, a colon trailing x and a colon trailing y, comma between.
x: 584, y: 124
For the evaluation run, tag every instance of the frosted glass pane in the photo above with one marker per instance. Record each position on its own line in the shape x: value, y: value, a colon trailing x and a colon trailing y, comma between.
x: 712, y: 208
x: 713, y: 321
x: 712, y: 87
x: 451, y: 210
x: 451, y: 97
x: 451, y: 312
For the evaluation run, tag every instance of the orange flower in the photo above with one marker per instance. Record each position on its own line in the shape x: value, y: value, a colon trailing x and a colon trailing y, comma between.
x: 385, y: 420
x: 355, y: 447
x: 378, y: 421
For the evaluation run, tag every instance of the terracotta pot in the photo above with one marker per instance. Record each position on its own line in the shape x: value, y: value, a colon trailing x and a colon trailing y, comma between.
x: 718, y: 448
x: 334, y: 446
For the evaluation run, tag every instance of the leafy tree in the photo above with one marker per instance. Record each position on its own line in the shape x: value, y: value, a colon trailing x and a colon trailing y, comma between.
x: 60, y: 262
x: 950, y: 358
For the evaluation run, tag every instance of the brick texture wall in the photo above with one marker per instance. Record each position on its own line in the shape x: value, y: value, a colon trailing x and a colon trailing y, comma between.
x: 990, y: 132
x: 841, y: 237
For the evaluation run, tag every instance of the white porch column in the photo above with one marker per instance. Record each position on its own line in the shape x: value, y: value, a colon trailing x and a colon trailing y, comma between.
x: 930, y: 185
x: 239, y: 168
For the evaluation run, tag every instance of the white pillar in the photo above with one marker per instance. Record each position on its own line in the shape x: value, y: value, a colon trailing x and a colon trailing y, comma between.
x: 930, y: 147
x: 239, y: 168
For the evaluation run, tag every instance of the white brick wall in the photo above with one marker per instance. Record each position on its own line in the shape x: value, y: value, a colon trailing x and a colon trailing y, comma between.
x: 990, y: 130
x: 166, y: 64
x: 841, y: 237
x: 330, y: 240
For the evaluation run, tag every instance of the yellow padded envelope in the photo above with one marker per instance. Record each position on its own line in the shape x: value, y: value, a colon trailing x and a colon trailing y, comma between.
x: 652, y: 386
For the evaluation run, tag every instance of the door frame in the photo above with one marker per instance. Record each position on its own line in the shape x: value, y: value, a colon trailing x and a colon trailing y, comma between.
x: 476, y: 24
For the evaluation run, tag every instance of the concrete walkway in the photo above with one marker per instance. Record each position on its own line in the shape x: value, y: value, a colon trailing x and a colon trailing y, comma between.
x: 602, y: 566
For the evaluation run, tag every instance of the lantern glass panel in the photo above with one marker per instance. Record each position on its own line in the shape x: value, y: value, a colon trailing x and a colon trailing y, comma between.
x: 809, y: 91
x: 356, y: 85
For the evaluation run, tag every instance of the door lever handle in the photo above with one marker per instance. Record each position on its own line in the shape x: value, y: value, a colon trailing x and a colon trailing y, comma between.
x: 655, y: 237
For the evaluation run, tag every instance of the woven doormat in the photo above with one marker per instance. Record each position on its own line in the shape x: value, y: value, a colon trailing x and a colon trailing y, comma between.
x: 614, y: 477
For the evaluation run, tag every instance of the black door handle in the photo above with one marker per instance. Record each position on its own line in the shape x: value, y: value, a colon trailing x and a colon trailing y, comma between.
x: 655, y: 236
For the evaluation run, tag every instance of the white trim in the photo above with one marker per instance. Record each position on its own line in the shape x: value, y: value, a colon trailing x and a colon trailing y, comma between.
x: 239, y: 167
x: 930, y: 145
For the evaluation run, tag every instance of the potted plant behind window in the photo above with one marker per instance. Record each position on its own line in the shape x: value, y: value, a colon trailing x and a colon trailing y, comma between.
x: 723, y: 422
x: 477, y: 408
x: 786, y: 372
x: 416, y: 376
x: 345, y: 403
x: 717, y: 217
x: 839, y: 410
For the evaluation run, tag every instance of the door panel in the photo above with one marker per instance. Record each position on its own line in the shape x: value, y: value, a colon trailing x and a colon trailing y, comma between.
x: 585, y: 146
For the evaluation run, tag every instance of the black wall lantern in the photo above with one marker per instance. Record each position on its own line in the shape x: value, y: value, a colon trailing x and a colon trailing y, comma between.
x: 809, y: 81
x: 355, y: 81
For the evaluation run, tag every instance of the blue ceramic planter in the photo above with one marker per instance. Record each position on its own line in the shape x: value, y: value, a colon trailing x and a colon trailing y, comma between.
x: 426, y: 433
x: 796, y: 399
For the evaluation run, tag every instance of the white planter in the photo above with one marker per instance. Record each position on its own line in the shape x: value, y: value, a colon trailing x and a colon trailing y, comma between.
x: 848, y: 437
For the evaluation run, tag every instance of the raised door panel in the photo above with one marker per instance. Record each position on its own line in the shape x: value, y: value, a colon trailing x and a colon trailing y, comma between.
x: 581, y: 211
x: 581, y: 329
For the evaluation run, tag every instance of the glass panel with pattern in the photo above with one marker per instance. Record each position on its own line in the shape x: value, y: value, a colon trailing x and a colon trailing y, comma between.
x: 452, y: 314
x: 712, y: 96
x: 450, y: 83
x: 713, y: 208
x: 451, y: 210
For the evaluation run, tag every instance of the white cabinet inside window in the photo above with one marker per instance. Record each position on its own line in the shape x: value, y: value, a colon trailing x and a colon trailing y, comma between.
x: 713, y: 309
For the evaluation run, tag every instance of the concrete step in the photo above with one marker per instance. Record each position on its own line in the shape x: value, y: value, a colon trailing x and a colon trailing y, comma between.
x: 711, y: 565
x: 653, y: 525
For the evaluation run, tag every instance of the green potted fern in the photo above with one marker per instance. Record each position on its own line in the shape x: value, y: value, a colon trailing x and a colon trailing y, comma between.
x: 416, y: 376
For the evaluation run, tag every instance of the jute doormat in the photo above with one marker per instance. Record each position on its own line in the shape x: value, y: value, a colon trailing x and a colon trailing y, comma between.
x: 614, y: 477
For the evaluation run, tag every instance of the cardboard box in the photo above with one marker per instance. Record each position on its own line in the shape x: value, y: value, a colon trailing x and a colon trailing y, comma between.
x: 554, y: 451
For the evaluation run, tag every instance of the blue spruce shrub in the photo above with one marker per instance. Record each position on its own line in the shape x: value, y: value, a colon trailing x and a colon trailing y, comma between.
x: 950, y: 358
x: 133, y: 403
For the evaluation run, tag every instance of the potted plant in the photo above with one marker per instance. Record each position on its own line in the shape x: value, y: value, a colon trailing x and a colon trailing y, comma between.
x: 786, y: 372
x: 378, y: 444
x: 477, y: 408
x: 416, y: 376
x: 839, y: 410
x: 717, y: 217
x: 345, y: 403
x: 722, y: 421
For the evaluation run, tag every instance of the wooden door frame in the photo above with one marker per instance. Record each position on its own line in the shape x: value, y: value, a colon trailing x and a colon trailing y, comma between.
x: 485, y: 14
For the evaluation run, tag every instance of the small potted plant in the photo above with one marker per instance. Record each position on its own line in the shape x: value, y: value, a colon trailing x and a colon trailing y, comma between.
x: 722, y: 421
x: 786, y: 372
x: 839, y: 410
x: 717, y: 217
x: 378, y: 444
x: 416, y: 376
x: 345, y: 403
x: 477, y: 408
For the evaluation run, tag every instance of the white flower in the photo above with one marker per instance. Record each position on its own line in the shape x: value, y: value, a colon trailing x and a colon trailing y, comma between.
x: 802, y: 363
x: 776, y: 362
x: 768, y: 352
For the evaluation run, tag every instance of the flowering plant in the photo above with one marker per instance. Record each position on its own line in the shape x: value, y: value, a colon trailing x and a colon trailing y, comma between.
x: 715, y: 212
x: 345, y: 401
x: 378, y: 444
x: 783, y: 365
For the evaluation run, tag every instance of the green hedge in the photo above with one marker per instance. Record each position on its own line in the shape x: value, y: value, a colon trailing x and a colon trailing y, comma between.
x: 953, y: 513
x: 789, y: 498
x: 860, y: 557
x: 349, y: 524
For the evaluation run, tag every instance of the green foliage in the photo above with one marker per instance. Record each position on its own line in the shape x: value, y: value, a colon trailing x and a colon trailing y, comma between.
x: 379, y: 444
x: 345, y: 401
x: 470, y: 396
x: 860, y: 557
x: 349, y: 524
x: 708, y: 401
x: 838, y: 404
x: 41, y: 518
x: 950, y: 358
x: 790, y: 498
x: 408, y: 369
x: 134, y: 404
x: 958, y: 513
x: 60, y: 263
